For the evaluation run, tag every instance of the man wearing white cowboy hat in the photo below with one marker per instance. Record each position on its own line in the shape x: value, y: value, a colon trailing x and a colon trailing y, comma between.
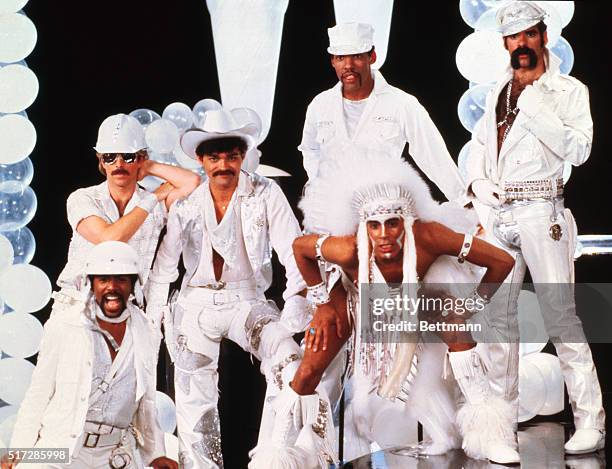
x: 364, y: 112
x: 93, y: 389
x: 536, y: 122
x: 225, y: 231
x: 118, y: 209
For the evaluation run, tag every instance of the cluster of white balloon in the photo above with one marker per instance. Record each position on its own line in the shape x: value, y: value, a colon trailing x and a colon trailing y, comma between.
x: 162, y: 134
x: 481, y: 57
x: 24, y: 288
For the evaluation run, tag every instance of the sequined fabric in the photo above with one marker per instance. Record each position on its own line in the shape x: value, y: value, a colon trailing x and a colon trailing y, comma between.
x: 209, y: 447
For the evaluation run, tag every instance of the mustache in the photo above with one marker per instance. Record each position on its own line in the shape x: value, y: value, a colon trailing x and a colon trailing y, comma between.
x: 120, y: 171
x: 226, y: 172
x: 349, y: 72
x: 514, y: 57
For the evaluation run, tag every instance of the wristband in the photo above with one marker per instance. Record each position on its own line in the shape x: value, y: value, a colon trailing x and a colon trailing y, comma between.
x: 465, y: 248
x: 148, y: 202
x: 318, y: 294
x: 318, y: 245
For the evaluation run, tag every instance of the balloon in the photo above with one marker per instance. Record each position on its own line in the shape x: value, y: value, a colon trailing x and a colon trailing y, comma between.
x: 18, y: 37
x: 180, y: 115
x: 7, y: 255
x: 162, y: 136
x: 11, y: 6
x: 21, y: 172
x: 471, y: 105
x: 6, y: 428
x: 564, y: 8
x: 200, y: 108
x: 184, y: 160
x: 19, y: 138
x: 145, y: 116
x: 245, y: 116
x: 166, y: 412
x: 471, y: 10
x: 550, y: 367
x: 564, y: 51
x: 17, y: 206
x: 20, y: 334
x: 18, y: 88
x: 554, y: 23
x: 481, y: 57
x: 172, y: 446
x: 531, y: 324
x: 165, y: 158
x: 25, y: 288
x: 487, y: 21
x: 15, y: 375
x: 6, y: 411
x: 532, y: 390
x: 23, y: 243
x: 462, y: 160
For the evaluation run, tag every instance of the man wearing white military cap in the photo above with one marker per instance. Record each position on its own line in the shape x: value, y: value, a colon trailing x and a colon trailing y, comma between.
x: 225, y: 232
x: 364, y: 112
x: 537, y: 121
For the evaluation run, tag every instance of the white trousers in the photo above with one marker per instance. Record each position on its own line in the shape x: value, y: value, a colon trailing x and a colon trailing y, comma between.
x: 196, y: 377
x: 549, y: 261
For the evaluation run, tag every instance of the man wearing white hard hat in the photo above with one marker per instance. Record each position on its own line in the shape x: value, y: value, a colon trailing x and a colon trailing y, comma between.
x: 118, y: 209
x: 225, y: 232
x: 364, y: 112
x: 536, y: 122
x: 93, y: 389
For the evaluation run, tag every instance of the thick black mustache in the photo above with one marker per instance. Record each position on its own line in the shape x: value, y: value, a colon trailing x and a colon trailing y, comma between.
x: 514, y: 57
x: 227, y: 172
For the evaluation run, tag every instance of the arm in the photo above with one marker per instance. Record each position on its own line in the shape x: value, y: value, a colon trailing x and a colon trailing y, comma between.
x: 182, y: 180
x: 439, y: 240
x: 476, y: 155
x: 569, y: 133
x: 87, y: 218
x: 429, y: 151
x: 40, y: 391
x: 311, y: 151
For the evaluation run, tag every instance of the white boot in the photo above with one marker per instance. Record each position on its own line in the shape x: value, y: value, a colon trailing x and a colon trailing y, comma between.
x: 485, y: 421
x: 317, y: 439
x: 586, y: 440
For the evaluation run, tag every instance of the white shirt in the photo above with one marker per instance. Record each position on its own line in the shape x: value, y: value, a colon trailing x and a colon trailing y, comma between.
x: 538, y: 146
x: 96, y: 200
x: 391, y: 119
x: 352, y: 114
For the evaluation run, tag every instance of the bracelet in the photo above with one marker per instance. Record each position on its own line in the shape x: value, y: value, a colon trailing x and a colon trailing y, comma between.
x: 465, y: 248
x: 318, y: 245
x: 318, y: 294
x: 148, y: 202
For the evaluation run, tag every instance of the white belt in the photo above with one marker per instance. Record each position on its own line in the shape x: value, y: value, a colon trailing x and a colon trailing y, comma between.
x: 219, y: 297
x: 532, y: 189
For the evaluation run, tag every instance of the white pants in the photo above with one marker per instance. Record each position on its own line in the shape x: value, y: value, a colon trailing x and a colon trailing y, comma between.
x: 549, y: 261
x: 196, y: 363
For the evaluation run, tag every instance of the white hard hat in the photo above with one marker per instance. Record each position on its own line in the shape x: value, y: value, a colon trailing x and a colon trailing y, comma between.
x: 350, y: 38
x: 120, y: 134
x: 112, y: 258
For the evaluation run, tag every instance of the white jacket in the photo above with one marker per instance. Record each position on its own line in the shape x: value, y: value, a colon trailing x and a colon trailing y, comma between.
x: 391, y: 119
x: 539, y: 143
x: 58, y: 396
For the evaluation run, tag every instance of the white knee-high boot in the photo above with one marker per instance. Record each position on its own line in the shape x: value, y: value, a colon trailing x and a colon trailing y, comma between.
x: 485, y: 421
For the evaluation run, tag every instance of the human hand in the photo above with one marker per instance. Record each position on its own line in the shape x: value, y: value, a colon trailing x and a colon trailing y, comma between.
x: 164, y: 463
x: 8, y: 462
x: 486, y: 192
x: 325, y: 319
x: 271, y: 337
x: 163, y: 191
x: 530, y: 101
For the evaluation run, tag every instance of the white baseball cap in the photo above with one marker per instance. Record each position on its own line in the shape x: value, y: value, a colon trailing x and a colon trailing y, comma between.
x: 518, y: 16
x: 217, y: 123
x: 120, y: 134
x: 350, y: 38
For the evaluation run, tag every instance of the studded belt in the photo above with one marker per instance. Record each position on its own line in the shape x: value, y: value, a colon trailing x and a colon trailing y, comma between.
x: 532, y: 189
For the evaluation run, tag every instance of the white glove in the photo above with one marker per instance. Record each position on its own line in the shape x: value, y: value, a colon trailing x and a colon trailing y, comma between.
x: 271, y: 337
x: 486, y: 192
x: 297, y: 313
x: 530, y: 101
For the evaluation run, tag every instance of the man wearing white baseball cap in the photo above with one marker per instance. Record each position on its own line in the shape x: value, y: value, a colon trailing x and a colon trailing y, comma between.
x: 364, y: 112
x: 118, y: 209
x: 536, y: 122
x: 225, y: 232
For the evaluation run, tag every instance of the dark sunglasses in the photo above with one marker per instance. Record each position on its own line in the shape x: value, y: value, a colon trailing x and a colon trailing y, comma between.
x: 110, y: 158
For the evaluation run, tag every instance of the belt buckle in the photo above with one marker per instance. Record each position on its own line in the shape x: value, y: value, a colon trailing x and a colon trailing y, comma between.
x: 222, y: 296
x: 87, y: 444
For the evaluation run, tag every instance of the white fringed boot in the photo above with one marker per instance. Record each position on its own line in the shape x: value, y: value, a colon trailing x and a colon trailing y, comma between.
x: 485, y: 421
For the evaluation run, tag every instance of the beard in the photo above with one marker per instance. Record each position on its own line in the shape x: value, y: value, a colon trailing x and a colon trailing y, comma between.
x: 514, y: 58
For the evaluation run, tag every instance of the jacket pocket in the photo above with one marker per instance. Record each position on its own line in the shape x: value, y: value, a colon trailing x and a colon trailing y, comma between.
x: 325, y: 134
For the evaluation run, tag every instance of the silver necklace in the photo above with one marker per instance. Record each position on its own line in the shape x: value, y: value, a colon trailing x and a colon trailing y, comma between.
x: 509, y: 112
